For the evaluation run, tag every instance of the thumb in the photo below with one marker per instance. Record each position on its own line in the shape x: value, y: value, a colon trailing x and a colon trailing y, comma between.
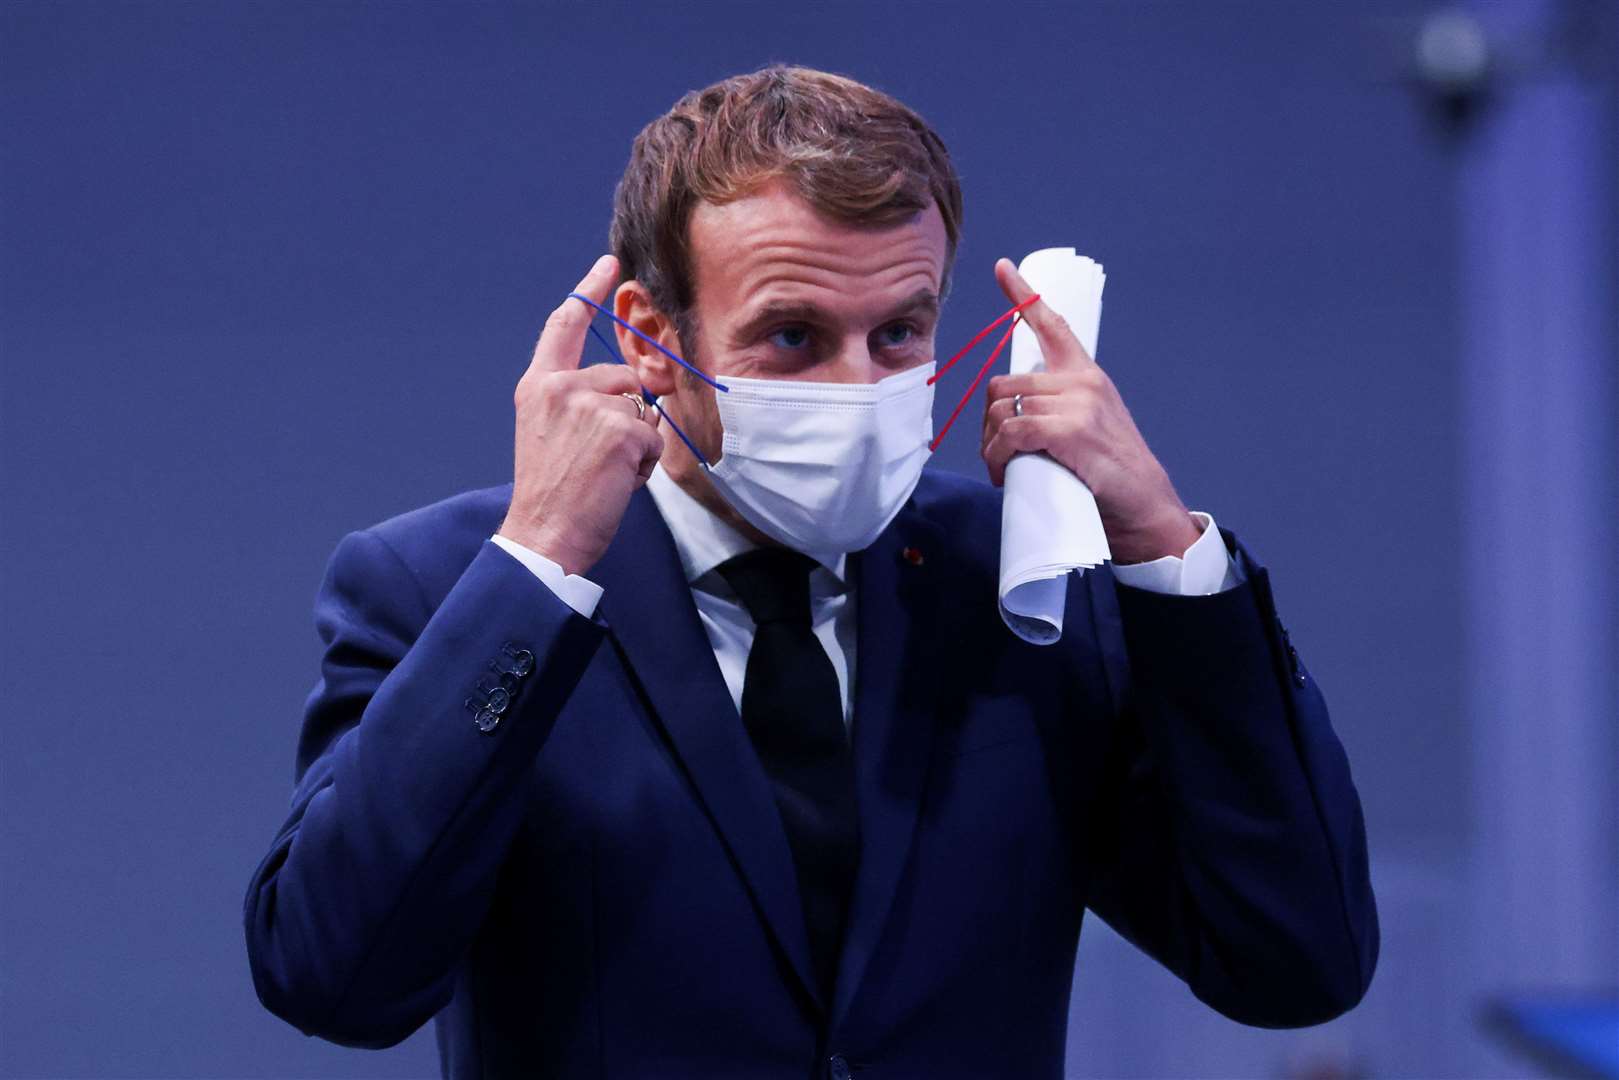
x: 1058, y: 343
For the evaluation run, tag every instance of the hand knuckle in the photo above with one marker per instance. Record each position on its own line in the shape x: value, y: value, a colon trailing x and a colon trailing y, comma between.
x: 532, y: 389
x: 564, y: 318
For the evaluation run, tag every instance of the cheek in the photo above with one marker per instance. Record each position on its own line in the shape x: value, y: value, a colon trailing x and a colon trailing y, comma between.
x: 711, y: 433
x: 698, y: 415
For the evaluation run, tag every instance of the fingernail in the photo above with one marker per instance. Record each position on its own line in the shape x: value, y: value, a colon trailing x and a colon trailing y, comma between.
x: 601, y: 263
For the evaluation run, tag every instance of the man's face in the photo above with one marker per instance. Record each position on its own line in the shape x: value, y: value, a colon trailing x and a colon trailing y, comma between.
x: 782, y: 292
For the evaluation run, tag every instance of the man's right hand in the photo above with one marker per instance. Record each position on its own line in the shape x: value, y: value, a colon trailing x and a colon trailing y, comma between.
x: 582, y: 450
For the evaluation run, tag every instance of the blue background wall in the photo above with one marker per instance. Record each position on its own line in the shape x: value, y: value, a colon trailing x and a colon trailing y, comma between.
x: 270, y: 273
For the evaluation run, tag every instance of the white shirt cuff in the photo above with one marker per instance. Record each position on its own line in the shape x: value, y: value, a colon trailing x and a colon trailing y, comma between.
x: 577, y: 592
x: 1205, y: 567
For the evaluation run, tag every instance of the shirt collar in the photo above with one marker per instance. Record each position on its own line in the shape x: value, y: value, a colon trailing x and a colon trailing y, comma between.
x: 702, y: 539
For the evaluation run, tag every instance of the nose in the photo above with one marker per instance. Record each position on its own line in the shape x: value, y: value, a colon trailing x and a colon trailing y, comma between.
x: 853, y: 364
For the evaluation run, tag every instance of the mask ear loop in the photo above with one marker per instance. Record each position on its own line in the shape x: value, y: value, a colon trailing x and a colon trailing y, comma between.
x: 655, y: 344
x: 980, y: 336
x: 647, y: 395
x: 652, y: 399
x: 1016, y: 315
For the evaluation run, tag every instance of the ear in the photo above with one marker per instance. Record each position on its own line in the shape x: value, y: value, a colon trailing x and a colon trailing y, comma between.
x: 634, y: 305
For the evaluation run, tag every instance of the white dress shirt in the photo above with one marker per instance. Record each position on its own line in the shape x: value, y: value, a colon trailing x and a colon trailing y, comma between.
x: 703, y: 542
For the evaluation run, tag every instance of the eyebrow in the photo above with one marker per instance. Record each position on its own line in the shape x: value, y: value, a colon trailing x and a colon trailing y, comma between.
x: 923, y: 301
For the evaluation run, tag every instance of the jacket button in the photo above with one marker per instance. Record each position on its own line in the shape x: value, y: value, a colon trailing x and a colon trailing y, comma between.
x: 837, y: 1068
x: 522, y: 660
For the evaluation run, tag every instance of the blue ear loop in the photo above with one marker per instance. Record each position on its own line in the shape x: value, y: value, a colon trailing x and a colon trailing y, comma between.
x: 651, y: 398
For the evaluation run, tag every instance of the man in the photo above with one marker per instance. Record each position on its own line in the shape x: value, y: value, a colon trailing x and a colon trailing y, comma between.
x: 716, y: 759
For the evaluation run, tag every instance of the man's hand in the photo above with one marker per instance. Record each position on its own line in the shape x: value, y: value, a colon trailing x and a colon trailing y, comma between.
x: 582, y: 448
x: 1072, y: 411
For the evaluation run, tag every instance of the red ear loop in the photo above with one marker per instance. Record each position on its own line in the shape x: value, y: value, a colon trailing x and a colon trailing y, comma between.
x: 980, y: 336
x: 1016, y: 315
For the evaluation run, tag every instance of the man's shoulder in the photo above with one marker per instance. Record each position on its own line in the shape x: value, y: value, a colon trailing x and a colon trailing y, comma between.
x: 437, y: 541
x: 472, y: 510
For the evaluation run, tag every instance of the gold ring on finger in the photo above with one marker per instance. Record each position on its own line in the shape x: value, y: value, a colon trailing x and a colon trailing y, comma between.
x: 640, y: 404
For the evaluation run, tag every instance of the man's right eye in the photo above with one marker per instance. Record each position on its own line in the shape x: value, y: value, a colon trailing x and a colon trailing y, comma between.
x: 790, y: 337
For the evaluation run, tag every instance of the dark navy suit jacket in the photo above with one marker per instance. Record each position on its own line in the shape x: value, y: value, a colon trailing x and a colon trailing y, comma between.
x: 599, y: 885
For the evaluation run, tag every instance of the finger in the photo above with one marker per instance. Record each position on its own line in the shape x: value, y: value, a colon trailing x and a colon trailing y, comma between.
x: 998, y: 413
x: 1027, y: 383
x: 617, y: 380
x: 643, y: 412
x: 1016, y: 435
x: 562, y: 341
x: 608, y: 378
x: 651, y: 450
x: 625, y: 402
x: 622, y: 431
x: 1006, y: 408
x: 1058, y: 344
x: 995, y: 462
x: 996, y: 454
x: 997, y: 477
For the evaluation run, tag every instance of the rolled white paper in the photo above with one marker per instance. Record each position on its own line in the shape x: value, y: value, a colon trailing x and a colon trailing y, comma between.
x: 1049, y: 522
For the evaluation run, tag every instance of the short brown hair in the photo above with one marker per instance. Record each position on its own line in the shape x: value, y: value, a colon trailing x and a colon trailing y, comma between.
x: 853, y: 153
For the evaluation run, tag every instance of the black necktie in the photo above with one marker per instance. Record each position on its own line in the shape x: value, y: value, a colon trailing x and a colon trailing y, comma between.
x: 793, y: 712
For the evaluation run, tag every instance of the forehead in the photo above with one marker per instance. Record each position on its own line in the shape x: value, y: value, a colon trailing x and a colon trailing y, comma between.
x: 772, y: 246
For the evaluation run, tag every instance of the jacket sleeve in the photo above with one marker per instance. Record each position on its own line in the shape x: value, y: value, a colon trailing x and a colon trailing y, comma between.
x: 404, y: 806
x: 1229, y: 842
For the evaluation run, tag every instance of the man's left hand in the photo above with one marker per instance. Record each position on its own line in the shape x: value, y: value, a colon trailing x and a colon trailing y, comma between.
x: 1073, y: 412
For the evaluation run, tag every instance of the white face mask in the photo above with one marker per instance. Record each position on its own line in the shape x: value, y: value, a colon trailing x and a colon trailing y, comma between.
x: 823, y: 467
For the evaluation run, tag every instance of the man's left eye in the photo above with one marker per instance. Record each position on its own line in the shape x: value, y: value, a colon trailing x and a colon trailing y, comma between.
x: 898, y: 334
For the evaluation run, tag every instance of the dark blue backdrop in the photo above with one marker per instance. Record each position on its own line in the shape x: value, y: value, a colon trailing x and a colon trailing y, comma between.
x: 271, y: 272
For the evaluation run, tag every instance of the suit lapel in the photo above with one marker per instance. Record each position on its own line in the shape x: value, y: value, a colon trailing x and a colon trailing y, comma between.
x: 899, y: 581
x: 648, y: 606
